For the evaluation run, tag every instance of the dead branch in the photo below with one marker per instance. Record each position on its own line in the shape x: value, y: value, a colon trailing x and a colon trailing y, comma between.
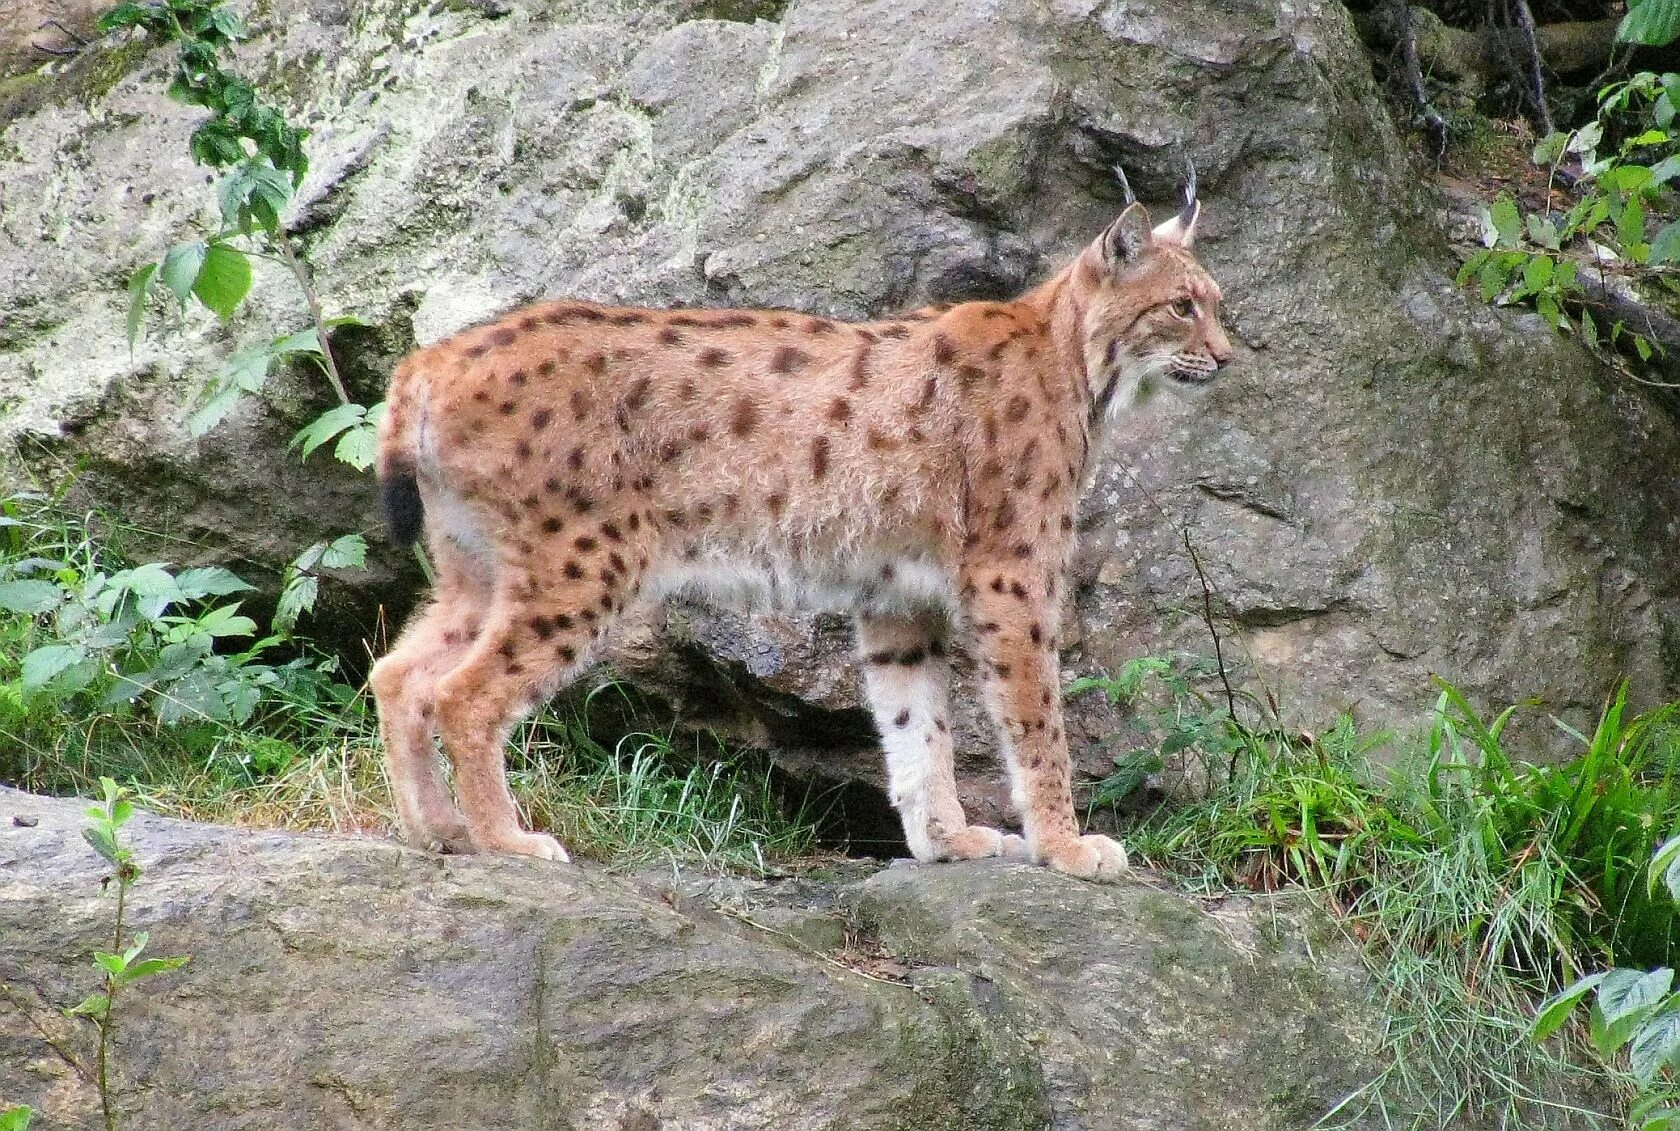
x: 1456, y: 54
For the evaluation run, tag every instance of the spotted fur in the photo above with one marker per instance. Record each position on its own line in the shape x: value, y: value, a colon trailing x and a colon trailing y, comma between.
x: 920, y: 473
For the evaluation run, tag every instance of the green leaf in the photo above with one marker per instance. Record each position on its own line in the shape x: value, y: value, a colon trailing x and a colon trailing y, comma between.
x: 1549, y: 149
x: 1655, y: 23
x: 30, y: 596
x: 1494, y: 278
x: 1548, y: 307
x: 326, y: 426
x: 44, y: 663
x: 139, y: 290
x: 181, y: 266
x: 1537, y: 272
x: 1665, y: 245
x: 94, y: 1005
x: 1625, y: 992
x: 1507, y: 222
x: 223, y: 280
x: 358, y: 446
x: 1589, y: 328
x: 16, y: 1118
x: 1630, y: 227
x: 1472, y: 265
x: 253, y: 195
x: 224, y: 620
x: 112, y: 964
x: 152, y: 966
x: 1557, y: 1008
x: 303, y: 341
x: 1666, y: 862
x: 1655, y: 1045
x: 1666, y: 169
x: 209, y: 581
x: 228, y: 23
x: 1543, y: 232
x: 101, y: 840
x: 244, y: 372
x: 1609, y: 1037
x: 194, y: 696
x: 297, y: 598
x: 348, y: 551
x: 125, y: 15
x: 1661, y: 1119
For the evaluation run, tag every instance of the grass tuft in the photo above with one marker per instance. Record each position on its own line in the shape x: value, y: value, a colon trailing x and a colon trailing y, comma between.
x: 1477, y: 885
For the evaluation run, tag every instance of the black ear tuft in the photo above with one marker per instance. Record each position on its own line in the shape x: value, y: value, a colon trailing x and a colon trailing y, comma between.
x: 1127, y: 237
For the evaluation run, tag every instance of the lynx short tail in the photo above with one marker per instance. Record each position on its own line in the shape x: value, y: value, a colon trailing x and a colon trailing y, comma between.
x: 399, y: 487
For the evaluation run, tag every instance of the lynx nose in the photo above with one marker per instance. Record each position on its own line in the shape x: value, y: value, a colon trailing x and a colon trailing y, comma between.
x: 1218, y: 345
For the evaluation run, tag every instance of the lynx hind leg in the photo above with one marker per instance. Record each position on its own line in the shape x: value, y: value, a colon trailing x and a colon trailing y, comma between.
x: 519, y: 658
x: 547, y: 619
x: 404, y: 684
x: 906, y: 679
x: 1014, y: 624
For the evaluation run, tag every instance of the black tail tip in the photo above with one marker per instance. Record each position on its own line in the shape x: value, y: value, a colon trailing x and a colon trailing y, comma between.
x: 404, y: 512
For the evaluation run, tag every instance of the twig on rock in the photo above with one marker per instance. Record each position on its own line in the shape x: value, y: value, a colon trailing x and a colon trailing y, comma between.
x: 58, y: 26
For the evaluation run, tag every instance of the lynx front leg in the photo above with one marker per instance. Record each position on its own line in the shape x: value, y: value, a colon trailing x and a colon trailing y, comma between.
x: 1014, y: 624
x: 906, y: 678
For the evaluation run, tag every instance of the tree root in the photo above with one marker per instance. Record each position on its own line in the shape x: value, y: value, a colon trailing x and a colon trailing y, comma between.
x: 1412, y: 74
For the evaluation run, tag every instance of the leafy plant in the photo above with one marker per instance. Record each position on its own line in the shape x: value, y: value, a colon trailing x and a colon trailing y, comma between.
x: 1636, y: 1010
x: 86, y: 631
x: 301, y: 583
x: 16, y: 1117
x: 1170, y: 720
x: 1629, y: 155
x: 262, y: 159
x: 89, y: 628
x: 122, y: 966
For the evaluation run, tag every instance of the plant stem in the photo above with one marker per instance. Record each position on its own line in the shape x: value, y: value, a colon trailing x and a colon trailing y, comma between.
x: 107, y: 1019
x: 301, y: 274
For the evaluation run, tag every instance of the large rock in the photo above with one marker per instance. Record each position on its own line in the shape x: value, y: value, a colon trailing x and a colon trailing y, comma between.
x: 1395, y: 480
x: 355, y: 984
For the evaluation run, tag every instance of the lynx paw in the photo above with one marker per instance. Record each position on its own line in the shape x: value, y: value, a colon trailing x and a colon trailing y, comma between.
x: 540, y: 845
x: 977, y: 841
x: 440, y: 836
x: 1088, y: 857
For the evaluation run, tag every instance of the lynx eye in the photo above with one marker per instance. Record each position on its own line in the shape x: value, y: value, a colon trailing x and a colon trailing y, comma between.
x: 1183, y: 308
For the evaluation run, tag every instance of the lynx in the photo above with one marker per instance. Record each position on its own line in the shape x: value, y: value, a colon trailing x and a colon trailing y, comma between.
x: 919, y: 472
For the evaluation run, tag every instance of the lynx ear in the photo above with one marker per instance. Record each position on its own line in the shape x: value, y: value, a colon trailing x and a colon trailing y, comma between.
x: 1181, y: 229
x: 1127, y: 238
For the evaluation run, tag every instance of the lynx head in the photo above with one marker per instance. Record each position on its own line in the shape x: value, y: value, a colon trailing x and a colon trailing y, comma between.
x: 1149, y: 309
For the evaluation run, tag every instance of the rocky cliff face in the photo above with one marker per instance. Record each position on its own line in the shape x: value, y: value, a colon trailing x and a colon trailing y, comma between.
x: 1393, y: 481
x: 348, y: 984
